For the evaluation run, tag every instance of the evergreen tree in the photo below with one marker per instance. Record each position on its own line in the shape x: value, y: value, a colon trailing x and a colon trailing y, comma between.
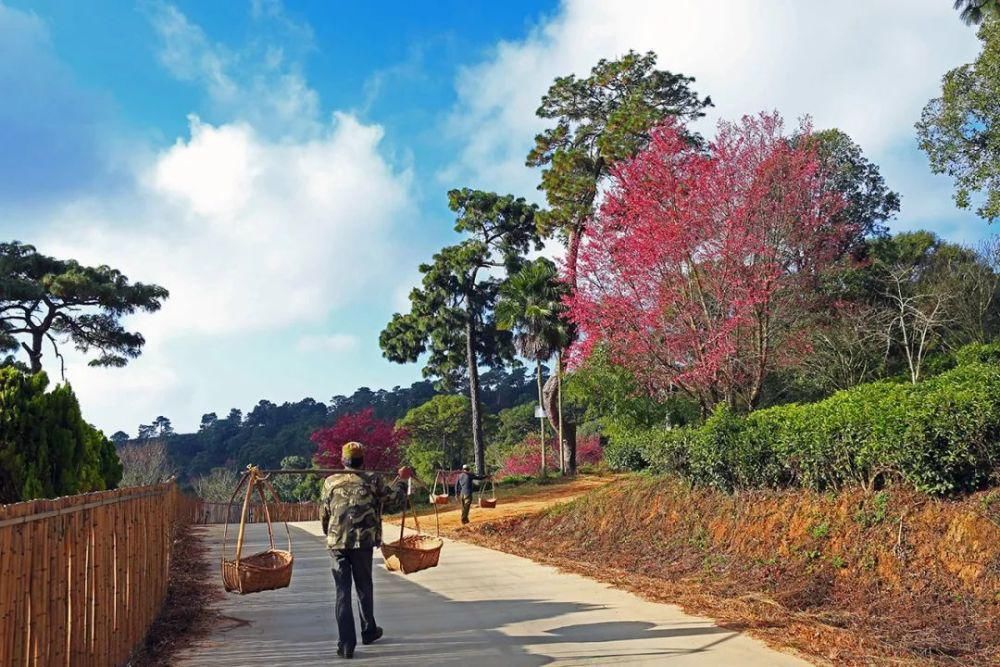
x: 451, y: 314
x: 47, y: 300
x: 46, y: 449
x: 600, y: 119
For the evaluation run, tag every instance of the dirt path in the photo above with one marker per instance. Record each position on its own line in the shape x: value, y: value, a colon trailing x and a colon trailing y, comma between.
x: 515, y: 502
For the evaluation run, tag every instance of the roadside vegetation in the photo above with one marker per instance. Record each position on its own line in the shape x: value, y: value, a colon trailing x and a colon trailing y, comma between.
x: 804, y: 403
x: 843, y: 578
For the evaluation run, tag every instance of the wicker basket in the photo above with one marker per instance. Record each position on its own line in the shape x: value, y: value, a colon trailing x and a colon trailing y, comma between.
x: 264, y: 571
x: 412, y: 553
x: 436, y: 498
x: 491, y: 501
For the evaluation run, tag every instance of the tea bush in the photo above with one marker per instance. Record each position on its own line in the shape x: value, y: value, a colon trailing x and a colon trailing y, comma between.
x: 940, y: 435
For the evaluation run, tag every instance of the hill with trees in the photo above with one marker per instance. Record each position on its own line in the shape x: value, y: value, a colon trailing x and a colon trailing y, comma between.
x: 269, y: 433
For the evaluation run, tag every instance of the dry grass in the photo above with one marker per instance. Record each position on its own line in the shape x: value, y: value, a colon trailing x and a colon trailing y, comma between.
x: 845, y: 579
x: 518, y: 501
x: 188, y: 611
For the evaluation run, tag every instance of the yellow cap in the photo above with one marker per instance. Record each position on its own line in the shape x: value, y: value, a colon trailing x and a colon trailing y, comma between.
x: 352, y: 450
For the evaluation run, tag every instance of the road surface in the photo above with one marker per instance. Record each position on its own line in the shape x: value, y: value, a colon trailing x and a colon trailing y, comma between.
x: 479, y: 607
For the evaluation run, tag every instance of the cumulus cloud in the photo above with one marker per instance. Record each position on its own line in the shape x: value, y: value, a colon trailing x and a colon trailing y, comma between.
x: 246, y: 233
x: 253, y: 231
x: 866, y: 68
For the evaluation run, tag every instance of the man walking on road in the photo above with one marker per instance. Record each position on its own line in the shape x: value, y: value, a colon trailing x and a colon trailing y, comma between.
x: 352, y: 521
x: 463, y: 489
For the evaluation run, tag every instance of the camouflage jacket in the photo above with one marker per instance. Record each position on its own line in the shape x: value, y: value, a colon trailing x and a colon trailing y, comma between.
x: 352, y: 509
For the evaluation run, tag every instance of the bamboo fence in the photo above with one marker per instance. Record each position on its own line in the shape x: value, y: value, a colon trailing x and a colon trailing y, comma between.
x: 207, y: 512
x: 83, y: 577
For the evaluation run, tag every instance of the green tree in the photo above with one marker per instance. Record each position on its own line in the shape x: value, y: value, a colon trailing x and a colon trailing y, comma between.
x: 870, y: 203
x: 602, y: 391
x: 438, y: 434
x: 960, y: 130
x: 46, y: 448
x: 531, y: 306
x: 298, y: 487
x: 451, y: 315
x: 43, y: 299
x: 512, y: 426
x: 161, y: 427
x: 973, y: 12
x: 599, y: 120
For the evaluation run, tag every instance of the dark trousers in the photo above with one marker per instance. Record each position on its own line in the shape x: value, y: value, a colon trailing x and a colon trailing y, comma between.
x: 466, y: 506
x: 353, y: 564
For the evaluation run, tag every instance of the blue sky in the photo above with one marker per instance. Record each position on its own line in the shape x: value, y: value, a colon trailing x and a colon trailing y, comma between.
x: 281, y: 167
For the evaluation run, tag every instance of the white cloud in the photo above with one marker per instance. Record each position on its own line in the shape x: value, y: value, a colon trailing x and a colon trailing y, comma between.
x: 327, y: 343
x: 865, y: 67
x: 257, y: 83
x: 253, y: 231
x: 248, y: 234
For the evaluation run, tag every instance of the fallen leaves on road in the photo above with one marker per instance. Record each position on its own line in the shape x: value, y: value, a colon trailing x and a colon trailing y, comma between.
x: 188, y: 612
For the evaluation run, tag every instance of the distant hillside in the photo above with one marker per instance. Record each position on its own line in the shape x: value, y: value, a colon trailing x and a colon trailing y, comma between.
x: 270, y: 432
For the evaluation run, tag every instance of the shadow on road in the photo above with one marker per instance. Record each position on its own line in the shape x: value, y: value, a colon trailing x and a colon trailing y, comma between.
x: 295, y: 626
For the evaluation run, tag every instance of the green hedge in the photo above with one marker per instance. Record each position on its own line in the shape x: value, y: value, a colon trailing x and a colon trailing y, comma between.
x: 941, y: 435
x: 46, y: 448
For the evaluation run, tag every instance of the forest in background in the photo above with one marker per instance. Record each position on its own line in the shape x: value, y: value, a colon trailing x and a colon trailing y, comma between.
x: 270, y: 433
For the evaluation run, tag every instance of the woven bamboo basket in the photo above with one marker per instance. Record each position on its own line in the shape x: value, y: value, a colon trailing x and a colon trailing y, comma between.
x: 264, y: 571
x: 436, y: 498
x: 412, y: 553
x: 488, y: 502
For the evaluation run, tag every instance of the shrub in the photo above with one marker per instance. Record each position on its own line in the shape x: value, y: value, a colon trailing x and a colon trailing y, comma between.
x: 588, y: 450
x: 940, y: 435
x: 978, y: 353
x: 46, y: 448
x: 526, y: 457
x: 625, y: 450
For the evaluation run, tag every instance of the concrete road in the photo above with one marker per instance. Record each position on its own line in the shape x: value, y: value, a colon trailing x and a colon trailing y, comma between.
x: 479, y: 607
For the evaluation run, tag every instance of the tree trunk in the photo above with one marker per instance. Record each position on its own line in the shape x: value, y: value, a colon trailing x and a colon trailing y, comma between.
x: 572, y: 252
x: 541, y: 422
x: 477, y: 416
x: 34, y: 352
x: 559, y: 438
x: 551, y: 393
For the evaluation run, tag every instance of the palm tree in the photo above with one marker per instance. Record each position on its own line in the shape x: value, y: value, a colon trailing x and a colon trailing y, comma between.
x: 972, y: 12
x: 531, y: 305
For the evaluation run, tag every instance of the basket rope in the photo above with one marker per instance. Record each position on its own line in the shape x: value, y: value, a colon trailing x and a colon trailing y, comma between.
x: 493, y: 489
x: 416, y: 521
x: 440, y: 477
x: 254, y: 482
